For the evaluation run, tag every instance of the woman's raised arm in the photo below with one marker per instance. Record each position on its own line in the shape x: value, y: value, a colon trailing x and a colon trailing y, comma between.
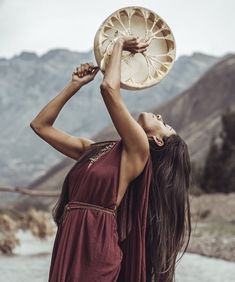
x: 42, y: 124
x: 135, y: 140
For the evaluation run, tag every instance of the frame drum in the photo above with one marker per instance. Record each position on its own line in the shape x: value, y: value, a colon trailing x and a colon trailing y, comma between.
x: 138, y: 70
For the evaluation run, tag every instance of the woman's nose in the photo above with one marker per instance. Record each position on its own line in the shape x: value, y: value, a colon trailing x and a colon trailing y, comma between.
x: 159, y: 117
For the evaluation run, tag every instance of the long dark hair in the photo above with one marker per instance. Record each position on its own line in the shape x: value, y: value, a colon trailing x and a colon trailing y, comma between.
x: 168, y: 218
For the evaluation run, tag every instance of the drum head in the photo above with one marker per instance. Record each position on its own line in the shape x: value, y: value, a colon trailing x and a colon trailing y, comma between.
x: 138, y: 70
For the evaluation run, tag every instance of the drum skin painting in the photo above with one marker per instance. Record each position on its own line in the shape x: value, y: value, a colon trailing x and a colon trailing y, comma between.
x: 139, y: 70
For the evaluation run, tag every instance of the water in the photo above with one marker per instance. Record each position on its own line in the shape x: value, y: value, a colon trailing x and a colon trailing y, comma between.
x: 31, y: 262
x: 194, y: 268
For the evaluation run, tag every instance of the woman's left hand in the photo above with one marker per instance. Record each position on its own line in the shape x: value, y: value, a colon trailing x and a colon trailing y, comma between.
x: 84, y: 73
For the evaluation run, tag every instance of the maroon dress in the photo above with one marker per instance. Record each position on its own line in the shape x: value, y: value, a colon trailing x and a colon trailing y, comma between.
x: 97, y: 242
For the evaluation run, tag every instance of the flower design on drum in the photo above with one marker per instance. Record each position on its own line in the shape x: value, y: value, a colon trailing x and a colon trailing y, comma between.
x: 139, y: 70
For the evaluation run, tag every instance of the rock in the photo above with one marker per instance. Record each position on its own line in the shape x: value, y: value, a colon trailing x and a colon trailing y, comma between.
x: 39, y: 222
x: 8, y: 238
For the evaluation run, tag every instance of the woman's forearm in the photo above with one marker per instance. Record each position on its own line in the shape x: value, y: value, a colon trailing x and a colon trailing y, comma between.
x: 112, y: 74
x: 49, y: 113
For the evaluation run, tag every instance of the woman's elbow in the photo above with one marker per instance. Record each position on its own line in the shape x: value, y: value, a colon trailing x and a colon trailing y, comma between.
x: 106, y: 86
x: 36, y: 126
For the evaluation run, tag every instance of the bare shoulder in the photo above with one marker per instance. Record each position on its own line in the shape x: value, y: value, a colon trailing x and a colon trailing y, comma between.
x: 86, y: 143
x: 83, y: 144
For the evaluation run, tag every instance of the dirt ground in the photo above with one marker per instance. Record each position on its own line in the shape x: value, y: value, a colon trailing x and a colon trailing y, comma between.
x: 213, y: 225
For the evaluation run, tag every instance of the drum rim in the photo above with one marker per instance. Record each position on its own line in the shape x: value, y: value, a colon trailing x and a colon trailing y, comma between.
x: 99, y: 55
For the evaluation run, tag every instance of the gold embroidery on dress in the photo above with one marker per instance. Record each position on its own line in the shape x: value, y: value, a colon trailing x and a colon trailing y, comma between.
x: 101, y: 152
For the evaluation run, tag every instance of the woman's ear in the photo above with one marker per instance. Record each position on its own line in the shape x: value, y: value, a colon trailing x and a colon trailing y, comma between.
x: 158, y: 140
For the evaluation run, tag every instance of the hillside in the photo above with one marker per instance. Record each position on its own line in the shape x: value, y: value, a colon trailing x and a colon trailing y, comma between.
x: 195, y: 114
x: 29, y: 81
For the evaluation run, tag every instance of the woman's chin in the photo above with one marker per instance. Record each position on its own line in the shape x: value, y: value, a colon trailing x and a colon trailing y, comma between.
x: 141, y: 115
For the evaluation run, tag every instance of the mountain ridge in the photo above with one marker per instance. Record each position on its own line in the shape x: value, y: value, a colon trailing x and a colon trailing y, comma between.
x: 196, y: 129
x: 29, y: 81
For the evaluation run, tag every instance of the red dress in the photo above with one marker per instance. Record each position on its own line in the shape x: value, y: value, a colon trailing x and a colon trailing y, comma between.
x: 102, y: 244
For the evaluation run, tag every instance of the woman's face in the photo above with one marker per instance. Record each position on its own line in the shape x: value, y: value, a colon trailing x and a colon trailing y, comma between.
x: 154, y: 126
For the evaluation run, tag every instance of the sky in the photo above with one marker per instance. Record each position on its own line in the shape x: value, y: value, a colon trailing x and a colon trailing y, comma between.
x: 206, y: 26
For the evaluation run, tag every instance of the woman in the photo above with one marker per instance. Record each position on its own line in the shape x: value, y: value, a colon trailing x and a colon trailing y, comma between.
x: 124, y: 209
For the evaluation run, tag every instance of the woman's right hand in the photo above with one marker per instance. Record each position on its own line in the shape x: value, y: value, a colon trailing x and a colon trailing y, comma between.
x: 134, y: 44
x: 84, y: 73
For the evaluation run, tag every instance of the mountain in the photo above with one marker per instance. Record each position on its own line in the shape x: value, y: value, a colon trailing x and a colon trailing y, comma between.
x: 195, y: 114
x: 28, y: 82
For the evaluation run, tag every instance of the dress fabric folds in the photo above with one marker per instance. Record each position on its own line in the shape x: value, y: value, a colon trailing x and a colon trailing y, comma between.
x: 94, y: 245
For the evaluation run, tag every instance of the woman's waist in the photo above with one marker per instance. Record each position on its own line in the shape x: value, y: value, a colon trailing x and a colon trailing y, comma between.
x: 73, y: 205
